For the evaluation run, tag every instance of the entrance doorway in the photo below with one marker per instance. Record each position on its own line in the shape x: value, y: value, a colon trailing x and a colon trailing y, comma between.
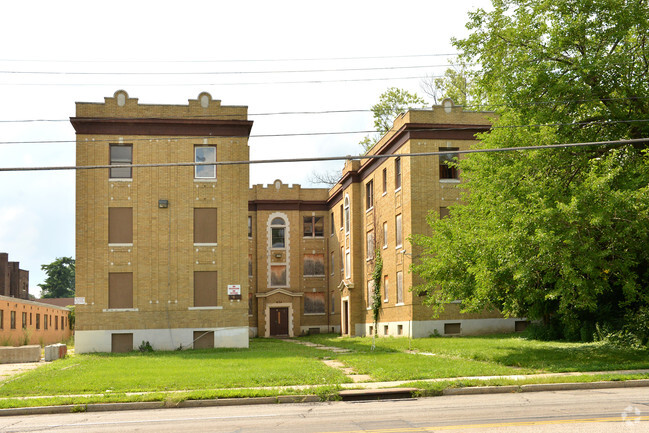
x: 278, y: 321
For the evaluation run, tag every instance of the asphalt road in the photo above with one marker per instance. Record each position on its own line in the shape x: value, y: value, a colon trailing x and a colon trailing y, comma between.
x: 592, y: 411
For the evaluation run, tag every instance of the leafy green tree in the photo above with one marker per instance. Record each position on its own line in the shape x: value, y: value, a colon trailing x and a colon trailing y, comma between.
x: 60, y: 278
x: 392, y: 102
x: 457, y: 83
x: 558, y: 235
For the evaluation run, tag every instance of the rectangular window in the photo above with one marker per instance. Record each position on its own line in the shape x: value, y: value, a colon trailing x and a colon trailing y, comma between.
x: 443, y: 212
x: 250, y: 265
x: 205, y: 154
x: 341, y: 217
x: 385, y: 180
x: 44, y: 321
x: 314, y: 265
x: 332, y: 224
x: 24, y: 320
x: 249, y: 226
x: 331, y: 264
x: 56, y: 323
x: 277, y: 237
x: 397, y: 230
x: 342, y: 260
x: 120, y: 225
x: 120, y: 290
x: 369, y: 195
x: 205, y: 225
x: 2, y: 319
x: 121, y: 154
x: 250, y: 296
x: 347, y: 215
x: 13, y: 320
x: 397, y: 173
x: 370, y: 244
x: 313, y: 227
x: 385, y: 234
x: 278, y: 275
x: 38, y: 321
x: 447, y: 171
x: 386, y: 289
x: 62, y: 323
x: 370, y: 293
x: 399, y: 287
x: 205, y: 288
x: 30, y: 319
x: 314, y: 303
x: 333, y: 303
x: 348, y: 265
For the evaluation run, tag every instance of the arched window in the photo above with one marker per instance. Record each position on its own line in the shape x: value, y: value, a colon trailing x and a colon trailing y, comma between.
x: 346, y: 214
x: 278, y: 232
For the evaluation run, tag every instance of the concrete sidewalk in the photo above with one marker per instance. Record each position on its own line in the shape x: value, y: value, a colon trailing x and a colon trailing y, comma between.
x: 350, y: 391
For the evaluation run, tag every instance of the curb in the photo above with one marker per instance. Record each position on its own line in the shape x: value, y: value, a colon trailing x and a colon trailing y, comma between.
x: 345, y: 395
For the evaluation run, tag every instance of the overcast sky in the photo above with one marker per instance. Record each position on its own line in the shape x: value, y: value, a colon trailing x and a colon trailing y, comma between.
x: 252, y: 53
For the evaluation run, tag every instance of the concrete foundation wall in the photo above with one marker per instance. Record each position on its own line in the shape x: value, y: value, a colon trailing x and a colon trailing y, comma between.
x: 160, y: 339
x: 426, y: 328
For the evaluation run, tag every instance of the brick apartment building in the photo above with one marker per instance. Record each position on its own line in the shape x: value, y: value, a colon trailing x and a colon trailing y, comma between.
x: 162, y: 253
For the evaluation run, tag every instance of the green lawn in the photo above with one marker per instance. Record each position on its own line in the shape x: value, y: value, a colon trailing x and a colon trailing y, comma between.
x: 266, y: 363
x: 498, y: 351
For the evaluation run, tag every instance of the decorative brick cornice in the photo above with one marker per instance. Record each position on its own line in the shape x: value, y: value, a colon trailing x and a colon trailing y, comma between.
x: 159, y: 126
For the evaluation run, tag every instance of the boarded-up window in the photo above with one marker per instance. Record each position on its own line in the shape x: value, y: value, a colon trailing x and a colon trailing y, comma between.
x: 452, y: 328
x: 278, y: 275
x: 397, y: 231
x: 370, y: 244
x: 443, y: 212
x: 205, y: 225
x: 120, y: 225
x: 205, y: 284
x: 121, y: 154
x: 386, y: 289
x: 121, y: 343
x: 314, y: 265
x: 203, y: 339
x: 120, y: 290
x: 399, y: 287
x: 314, y: 303
x: 397, y: 173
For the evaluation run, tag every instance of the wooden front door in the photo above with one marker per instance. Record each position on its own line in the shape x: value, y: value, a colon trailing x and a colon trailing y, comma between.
x: 278, y: 321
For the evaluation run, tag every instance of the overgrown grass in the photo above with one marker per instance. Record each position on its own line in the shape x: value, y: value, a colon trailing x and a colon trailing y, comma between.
x: 266, y: 363
x: 511, y: 350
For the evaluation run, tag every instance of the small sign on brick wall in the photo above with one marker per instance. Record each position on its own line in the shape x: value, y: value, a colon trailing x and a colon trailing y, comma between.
x: 234, y: 292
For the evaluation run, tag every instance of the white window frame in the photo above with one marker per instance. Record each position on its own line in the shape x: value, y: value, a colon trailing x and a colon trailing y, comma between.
x: 197, y: 167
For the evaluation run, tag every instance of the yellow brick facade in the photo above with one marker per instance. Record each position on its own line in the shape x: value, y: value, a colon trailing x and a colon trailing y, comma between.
x: 307, y: 262
x: 162, y: 256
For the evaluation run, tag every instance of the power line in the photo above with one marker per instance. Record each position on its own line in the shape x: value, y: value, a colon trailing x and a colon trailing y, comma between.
x: 308, y: 134
x: 326, y: 158
x: 252, y: 83
x: 307, y: 59
x: 293, y: 71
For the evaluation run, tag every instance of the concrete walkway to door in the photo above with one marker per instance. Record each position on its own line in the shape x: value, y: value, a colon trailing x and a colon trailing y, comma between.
x: 349, y: 372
